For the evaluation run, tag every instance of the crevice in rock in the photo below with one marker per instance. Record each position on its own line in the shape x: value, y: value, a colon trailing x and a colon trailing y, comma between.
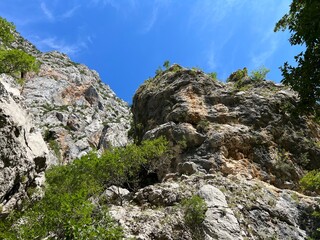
x: 25, y: 139
x: 12, y: 191
x: 40, y: 163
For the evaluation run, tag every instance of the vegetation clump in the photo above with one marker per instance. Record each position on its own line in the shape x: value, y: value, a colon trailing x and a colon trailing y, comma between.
x: 303, y: 21
x: 194, y: 214
x: 14, y: 61
x: 259, y: 74
x: 67, y: 210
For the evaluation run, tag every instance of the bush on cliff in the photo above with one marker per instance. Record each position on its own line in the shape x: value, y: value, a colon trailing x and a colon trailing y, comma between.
x: 67, y: 210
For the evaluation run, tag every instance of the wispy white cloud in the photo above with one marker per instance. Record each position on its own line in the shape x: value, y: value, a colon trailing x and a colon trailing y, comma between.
x: 149, y: 24
x: 69, y: 13
x: 265, y: 49
x: 47, y: 12
x: 103, y: 3
x: 215, y: 49
x: 208, y: 13
x: 53, y: 43
x: 157, y: 6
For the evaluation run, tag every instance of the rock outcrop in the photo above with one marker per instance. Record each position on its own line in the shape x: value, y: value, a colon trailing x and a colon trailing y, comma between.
x: 248, y: 130
x: 74, y: 109
x: 23, y: 152
x: 238, y: 145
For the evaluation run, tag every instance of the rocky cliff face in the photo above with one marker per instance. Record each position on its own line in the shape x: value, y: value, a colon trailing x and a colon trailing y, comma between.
x: 74, y: 109
x: 238, y: 145
x: 23, y: 155
x: 55, y: 116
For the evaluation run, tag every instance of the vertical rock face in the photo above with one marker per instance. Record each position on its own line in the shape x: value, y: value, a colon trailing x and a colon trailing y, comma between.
x: 23, y: 152
x: 232, y: 128
x: 74, y: 109
x: 238, y: 145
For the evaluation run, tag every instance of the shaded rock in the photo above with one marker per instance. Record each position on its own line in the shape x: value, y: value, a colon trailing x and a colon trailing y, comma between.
x: 23, y: 155
x: 187, y: 168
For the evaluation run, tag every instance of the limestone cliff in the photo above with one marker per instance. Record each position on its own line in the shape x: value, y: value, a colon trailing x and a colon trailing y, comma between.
x: 23, y: 152
x: 239, y: 145
x: 74, y: 109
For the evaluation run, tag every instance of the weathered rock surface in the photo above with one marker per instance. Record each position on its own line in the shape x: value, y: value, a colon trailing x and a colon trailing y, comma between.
x: 238, y: 145
x: 23, y: 152
x: 74, y: 109
x: 238, y: 208
x: 249, y: 130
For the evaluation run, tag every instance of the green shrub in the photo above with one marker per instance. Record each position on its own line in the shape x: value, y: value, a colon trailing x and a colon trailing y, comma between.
x: 213, y: 75
x: 66, y: 211
x: 166, y: 64
x: 194, y: 214
x: 203, y: 126
x: 311, y: 181
x: 13, y: 61
x: 260, y: 74
x: 238, y: 75
x: 54, y: 145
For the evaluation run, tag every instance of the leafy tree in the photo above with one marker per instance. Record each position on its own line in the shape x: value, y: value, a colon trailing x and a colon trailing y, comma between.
x: 311, y: 181
x: 13, y: 61
x: 303, y: 21
x: 6, y: 31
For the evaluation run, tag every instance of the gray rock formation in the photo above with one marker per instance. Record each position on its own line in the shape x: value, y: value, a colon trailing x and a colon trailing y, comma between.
x: 74, y: 109
x: 238, y: 145
x: 23, y: 152
x: 249, y: 130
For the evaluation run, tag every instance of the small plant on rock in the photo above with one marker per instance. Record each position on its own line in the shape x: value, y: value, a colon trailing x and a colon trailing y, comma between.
x: 213, y: 75
x: 259, y: 74
x: 194, y: 214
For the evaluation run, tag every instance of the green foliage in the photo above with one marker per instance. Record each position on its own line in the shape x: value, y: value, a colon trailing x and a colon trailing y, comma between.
x: 311, y: 181
x: 194, y: 214
x: 54, y: 145
x: 238, y: 75
x: 66, y: 211
x: 159, y: 71
x: 6, y: 31
x: 260, y: 74
x: 213, y: 75
x: 166, y: 64
x: 203, y: 126
x: 15, y: 60
x: 303, y: 21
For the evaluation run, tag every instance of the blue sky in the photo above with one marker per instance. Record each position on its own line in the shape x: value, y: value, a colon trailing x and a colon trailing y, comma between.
x: 127, y: 40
